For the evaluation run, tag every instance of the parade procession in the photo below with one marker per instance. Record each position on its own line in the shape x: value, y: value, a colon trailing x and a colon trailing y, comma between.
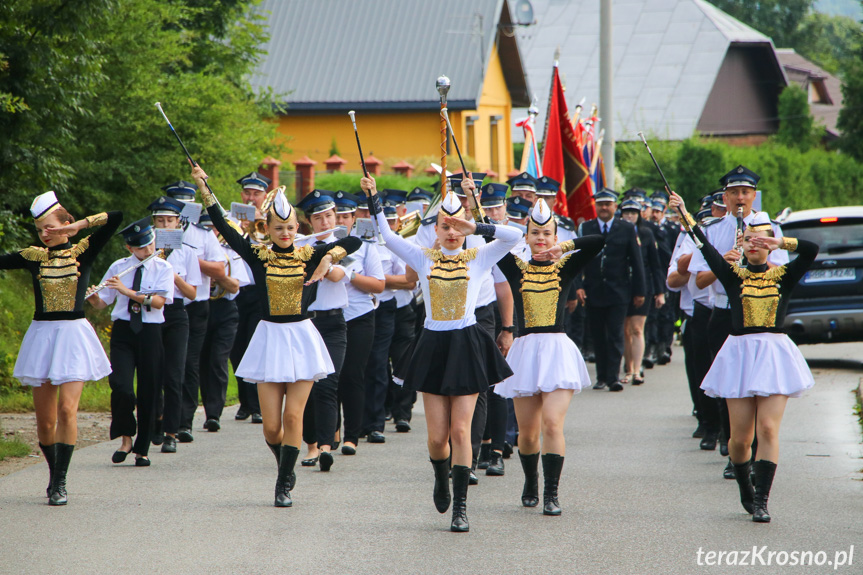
x: 441, y: 287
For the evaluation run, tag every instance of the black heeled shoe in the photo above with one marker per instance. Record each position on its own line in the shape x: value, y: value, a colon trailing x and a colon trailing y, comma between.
x: 495, y: 465
x: 62, y: 457
x: 484, y: 456
x: 441, y: 494
x: 326, y: 460
x: 728, y: 472
x: 530, y: 492
x: 460, y: 479
x: 708, y: 443
x: 552, y: 464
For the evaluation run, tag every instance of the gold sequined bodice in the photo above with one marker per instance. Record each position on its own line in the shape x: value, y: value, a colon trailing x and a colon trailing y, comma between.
x: 759, y: 294
x: 286, y: 274
x: 58, y: 275
x: 448, y: 280
x: 540, y: 291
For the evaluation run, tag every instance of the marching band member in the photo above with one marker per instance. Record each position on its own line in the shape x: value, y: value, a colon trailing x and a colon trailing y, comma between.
x: 454, y: 359
x: 222, y: 323
x: 758, y: 367
x: 60, y: 350
x: 211, y: 260
x: 254, y: 192
x: 136, y: 338
x: 175, y: 330
x: 320, y: 420
x: 286, y: 354
x: 547, y: 366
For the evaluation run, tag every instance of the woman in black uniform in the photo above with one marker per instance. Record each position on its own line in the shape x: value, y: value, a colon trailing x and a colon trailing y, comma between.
x: 60, y: 350
x: 758, y: 367
x: 633, y: 326
x: 286, y: 354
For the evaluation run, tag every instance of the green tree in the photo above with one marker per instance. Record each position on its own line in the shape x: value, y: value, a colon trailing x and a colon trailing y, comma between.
x: 829, y: 41
x: 779, y: 19
x: 851, y: 116
x: 698, y: 168
x: 796, y: 124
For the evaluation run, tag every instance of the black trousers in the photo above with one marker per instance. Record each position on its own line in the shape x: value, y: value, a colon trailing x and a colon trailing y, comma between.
x: 668, y: 315
x: 320, y: 418
x: 175, y: 334
x: 221, y: 329
x: 651, y: 327
x: 496, y: 419
x: 689, y: 364
x: 377, y: 368
x: 198, y: 312
x: 352, y: 380
x: 718, y: 330
x: 606, y: 327
x: 708, y: 407
x: 485, y: 320
x: 250, y: 312
x: 399, y: 401
x: 133, y: 353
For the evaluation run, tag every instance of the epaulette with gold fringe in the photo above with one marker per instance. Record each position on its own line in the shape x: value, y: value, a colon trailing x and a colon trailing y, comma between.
x: 464, y: 256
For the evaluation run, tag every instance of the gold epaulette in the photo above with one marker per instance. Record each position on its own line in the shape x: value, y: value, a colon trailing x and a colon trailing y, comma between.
x: 773, y: 274
x: 35, y: 254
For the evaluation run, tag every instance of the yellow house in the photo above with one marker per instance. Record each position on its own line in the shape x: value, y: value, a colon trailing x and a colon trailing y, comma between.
x: 382, y: 60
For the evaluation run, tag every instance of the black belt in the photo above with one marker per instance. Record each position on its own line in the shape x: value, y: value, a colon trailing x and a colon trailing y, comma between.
x: 177, y: 304
x: 325, y: 313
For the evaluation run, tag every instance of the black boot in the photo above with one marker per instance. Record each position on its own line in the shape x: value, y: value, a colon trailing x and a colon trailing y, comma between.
x: 441, y: 493
x: 275, y: 448
x: 495, y: 464
x: 484, y: 456
x: 49, y: 452
x: 708, y: 443
x: 287, y: 478
x: 728, y: 472
x: 744, y: 482
x: 552, y: 464
x: 62, y: 456
x: 764, y: 472
x: 530, y: 466
x: 460, y: 478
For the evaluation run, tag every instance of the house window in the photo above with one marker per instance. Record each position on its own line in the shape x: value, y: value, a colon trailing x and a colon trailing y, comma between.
x: 470, y: 135
x: 495, y: 143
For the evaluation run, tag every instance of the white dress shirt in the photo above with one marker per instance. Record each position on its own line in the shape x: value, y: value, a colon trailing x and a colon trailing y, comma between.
x: 158, y: 276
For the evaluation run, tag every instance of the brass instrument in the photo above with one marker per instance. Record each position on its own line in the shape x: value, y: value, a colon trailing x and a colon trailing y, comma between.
x: 217, y: 291
x: 260, y: 233
x: 409, y: 224
x: 737, y: 240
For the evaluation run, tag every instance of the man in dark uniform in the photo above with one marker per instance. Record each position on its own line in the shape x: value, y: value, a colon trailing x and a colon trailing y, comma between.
x: 666, y: 316
x: 609, y: 283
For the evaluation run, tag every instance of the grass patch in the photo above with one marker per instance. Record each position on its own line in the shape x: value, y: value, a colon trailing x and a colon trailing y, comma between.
x: 13, y: 447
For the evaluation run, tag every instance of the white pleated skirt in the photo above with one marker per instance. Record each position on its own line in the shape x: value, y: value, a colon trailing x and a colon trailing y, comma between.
x: 541, y: 363
x: 285, y: 352
x: 761, y: 364
x: 58, y: 352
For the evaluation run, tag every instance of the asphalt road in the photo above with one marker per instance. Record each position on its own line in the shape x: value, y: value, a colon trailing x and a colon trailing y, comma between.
x: 638, y: 497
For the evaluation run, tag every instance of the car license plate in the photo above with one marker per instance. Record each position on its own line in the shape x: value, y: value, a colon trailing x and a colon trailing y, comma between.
x: 830, y: 275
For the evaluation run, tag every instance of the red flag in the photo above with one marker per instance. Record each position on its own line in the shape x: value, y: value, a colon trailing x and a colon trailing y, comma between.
x: 562, y: 158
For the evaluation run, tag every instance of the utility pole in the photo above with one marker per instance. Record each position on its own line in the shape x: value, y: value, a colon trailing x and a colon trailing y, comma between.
x: 606, y: 84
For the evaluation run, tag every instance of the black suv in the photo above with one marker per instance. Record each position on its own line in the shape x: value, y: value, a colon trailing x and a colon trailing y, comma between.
x: 827, y: 304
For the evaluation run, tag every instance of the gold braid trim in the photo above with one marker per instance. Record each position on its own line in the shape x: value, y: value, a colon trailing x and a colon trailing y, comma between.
x: 522, y: 265
x: 208, y: 197
x: 338, y: 253
x: 35, y: 254
x: 773, y: 274
x: 304, y: 253
x: 97, y: 220
x: 559, y: 265
x: 789, y: 244
x: 464, y: 256
x: 80, y: 247
x: 264, y: 253
x: 567, y: 246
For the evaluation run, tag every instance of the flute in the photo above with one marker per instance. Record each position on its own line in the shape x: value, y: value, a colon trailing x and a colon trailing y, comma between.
x: 102, y: 285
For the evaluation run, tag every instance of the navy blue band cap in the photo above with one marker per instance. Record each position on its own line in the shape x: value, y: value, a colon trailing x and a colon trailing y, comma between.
x: 139, y: 234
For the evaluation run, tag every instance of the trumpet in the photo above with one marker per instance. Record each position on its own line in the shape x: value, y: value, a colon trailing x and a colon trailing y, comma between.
x: 409, y: 224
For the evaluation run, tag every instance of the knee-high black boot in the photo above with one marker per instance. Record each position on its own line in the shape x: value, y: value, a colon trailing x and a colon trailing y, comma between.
x: 460, y: 479
x: 764, y: 473
x: 530, y: 466
x: 287, y: 478
x: 49, y: 452
x: 552, y: 464
x: 62, y: 457
x: 275, y: 448
x: 744, y: 482
x: 441, y: 493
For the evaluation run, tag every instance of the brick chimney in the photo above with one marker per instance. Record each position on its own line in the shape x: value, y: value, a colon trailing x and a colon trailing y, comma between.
x: 403, y: 169
x: 335, y: 164
x: 373, y: 165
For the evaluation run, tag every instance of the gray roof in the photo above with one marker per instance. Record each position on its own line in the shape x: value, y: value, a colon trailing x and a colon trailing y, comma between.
x: 387, y: 54
x: 800, y: 70
x: 667, y: 54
